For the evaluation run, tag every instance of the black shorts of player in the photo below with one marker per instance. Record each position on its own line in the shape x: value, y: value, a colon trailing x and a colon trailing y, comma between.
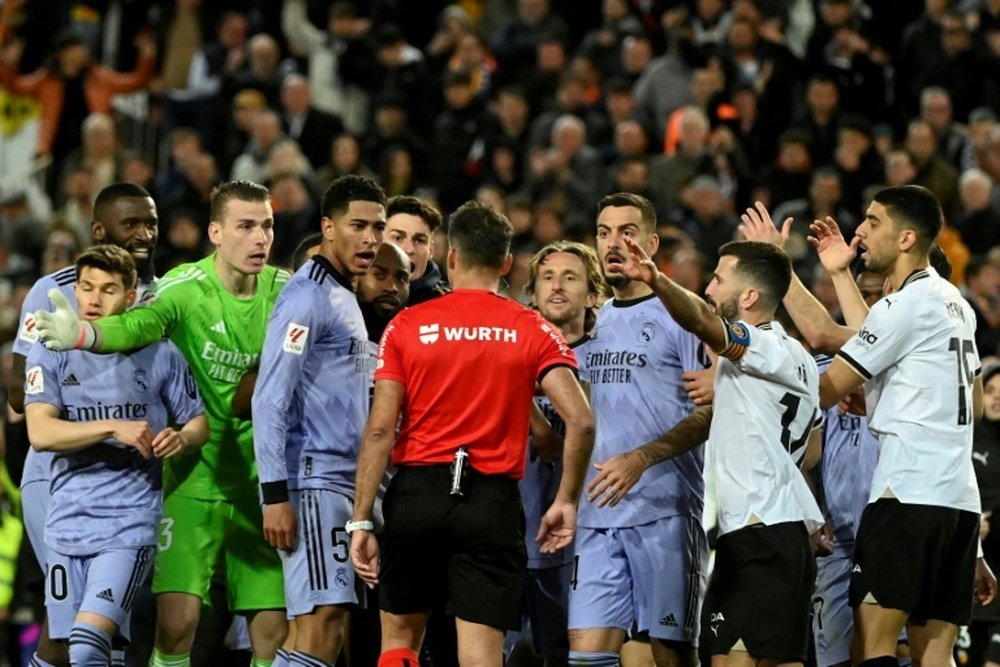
x: 465, y: 552
x: 983, y: 639
x: 917, y: 558
x: 759, y: 595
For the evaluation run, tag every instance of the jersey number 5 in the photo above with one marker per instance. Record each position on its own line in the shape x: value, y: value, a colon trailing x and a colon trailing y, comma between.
x: 963, y: 349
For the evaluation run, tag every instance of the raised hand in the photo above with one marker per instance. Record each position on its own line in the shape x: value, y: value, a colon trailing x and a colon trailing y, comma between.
x: 638, y: 265
x: 758, y: 226
x: 59, y: 329
x: 835, y: 254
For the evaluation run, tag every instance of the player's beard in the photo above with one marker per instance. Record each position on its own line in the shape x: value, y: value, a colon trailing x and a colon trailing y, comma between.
x: 616, y: 280
x: 728, y: 309
x: 145, y: 269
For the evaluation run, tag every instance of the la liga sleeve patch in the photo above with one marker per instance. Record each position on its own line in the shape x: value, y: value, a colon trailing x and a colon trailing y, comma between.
x: 34, y: 381
x: 295, y: 338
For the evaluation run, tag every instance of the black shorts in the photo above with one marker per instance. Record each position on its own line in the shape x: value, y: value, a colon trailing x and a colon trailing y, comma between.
x: 463, y: 552
x: 917, y: 558
x: 760, y: 593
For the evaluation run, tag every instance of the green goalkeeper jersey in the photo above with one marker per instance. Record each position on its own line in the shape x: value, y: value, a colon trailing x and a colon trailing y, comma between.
x: 221, y: 336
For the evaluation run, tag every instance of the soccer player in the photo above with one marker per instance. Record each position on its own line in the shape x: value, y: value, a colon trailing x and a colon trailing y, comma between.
x: 215, y: 310
x: 411, y: 225
x: 641, y: 552
x: 310, y: 406
x: 105, y: 418
x: 125, y: 216
x: 564, y: 284
x: 915, y: 353
x: 765, y: 413
x: 454, y: 526
x: 384, y: 289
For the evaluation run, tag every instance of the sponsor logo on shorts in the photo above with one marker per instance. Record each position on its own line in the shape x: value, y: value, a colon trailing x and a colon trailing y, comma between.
x: 295, y: 338
x: 106, y: 595
x: 34, y: 381
x: 669, y: 621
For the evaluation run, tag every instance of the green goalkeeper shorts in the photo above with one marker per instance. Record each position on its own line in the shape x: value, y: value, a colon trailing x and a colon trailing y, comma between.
x: 197, y: 535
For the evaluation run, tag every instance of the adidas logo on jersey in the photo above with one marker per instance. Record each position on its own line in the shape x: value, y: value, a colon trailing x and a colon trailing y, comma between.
x: 70, y: 381
x: 106, y: 595
x: 669, y: 621
x: 219, y: 327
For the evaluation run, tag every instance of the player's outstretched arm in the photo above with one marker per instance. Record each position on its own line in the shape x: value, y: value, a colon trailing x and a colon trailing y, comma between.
x: 687, y: 308
x: 48, y: 433
x: 820, y: 331
x: 376, y: 443
x: 170, y: 442
x: 836, y: 255
x: 617, y: 475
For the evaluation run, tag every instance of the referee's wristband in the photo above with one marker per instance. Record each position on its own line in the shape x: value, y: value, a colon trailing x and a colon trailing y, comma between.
x: 364, y: 524
x: 274, y: 492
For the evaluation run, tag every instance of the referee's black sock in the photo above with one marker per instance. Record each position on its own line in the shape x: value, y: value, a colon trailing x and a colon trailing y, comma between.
x: 593, y: 659
x: 881, y: 661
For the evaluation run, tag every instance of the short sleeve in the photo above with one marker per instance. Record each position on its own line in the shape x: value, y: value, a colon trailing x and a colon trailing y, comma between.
x: 36, y: 299
x: 553, y: 351
x: 885, y: 337
x: 389, y: 365
x: 760, y: 352
x: 41, y: 377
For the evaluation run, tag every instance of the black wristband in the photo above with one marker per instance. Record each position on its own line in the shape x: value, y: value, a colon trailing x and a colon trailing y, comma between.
x: 274, y: 492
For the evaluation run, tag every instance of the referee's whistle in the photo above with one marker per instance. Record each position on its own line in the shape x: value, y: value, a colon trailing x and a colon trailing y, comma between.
x: 458, y: 469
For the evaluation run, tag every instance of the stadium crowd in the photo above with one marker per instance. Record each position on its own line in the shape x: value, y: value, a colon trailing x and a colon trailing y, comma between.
x: 121, y: 120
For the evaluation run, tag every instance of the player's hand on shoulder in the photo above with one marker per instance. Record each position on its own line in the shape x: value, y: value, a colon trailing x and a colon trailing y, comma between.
x: 614, y: 478
x: 280, y: 525
x: 365, y: 556
x: 135, y: 434
x: 557, y: 527
x: 638, y: 265
x: 700, y: 385
x: 757, y: 225
x: 168, y: 442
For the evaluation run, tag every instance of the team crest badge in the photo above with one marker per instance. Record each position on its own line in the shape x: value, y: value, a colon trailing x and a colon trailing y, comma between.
x: 140, y: 382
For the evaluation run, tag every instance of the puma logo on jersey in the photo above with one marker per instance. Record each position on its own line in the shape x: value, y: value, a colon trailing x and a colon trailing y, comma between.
x: 982, y: 457
x: 219, y: 327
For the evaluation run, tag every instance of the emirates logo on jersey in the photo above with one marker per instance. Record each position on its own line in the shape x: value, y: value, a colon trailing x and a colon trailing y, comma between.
x: 429, y: 333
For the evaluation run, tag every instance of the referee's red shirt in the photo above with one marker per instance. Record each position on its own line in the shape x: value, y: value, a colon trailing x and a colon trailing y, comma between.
x: 468, y: 361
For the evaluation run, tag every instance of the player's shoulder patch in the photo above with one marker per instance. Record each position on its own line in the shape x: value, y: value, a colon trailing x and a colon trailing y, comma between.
x: 295, y: 338
x: 29, y: 329
x: 34, y: 381
x: 737, y: 340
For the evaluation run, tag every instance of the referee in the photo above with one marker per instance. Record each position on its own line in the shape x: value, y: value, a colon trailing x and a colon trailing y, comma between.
x: 461, y: 370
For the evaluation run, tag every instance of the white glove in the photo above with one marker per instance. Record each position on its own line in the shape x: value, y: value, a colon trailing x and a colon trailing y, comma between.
x: 60, y: 329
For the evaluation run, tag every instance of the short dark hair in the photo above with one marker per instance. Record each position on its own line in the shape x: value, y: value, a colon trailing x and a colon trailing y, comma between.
x: 112, y: 193
x: 480, y: 234
x: 110, y: 258
x: 299, y: 254
x: 224, y: 193
x: 646, y: 209
x: 415, y: 206
x: 940, y: 262
x: 913, y: 207
x: 342, y: 191
x: 765, y: 266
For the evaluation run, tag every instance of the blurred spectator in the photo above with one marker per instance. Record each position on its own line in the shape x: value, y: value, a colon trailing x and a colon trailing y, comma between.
x: 21, y: 232
x: 397, y: 173
x: 330, y: 92
x: 504, y: 170
x: 62, y: 246
x: 311, y: 128
x: 70, y: 88
x: 820, y: 118
x: 630, y: 142
x: 551, y: 67
x: 246, y: 105
x: 79, y: 191
x: 920, y: 46
x: 184, y: 146
x: 392, y: 130
x: 571, y: 98
x: 663, y: 87
x: 900, y: 169
x: 98, y: 152
x: 287, y: 158
x: 932, y: 171
x: 637, y: 54
x: 515, y: 46
x: 295, y: 216
x: 957, y: 68
x: 632, y: 175
x: 822, y: 288
x: 986, y: 447
x: 453, y: 24
x: 603, y: 44
x: 512, y: 119
x: 199, y: 177
x: 345, y: 158
x: 982, y: 291
x: 710, y: 23
x: 856, y: 159
x: 472, y: 55
x: 979, y: 221
x: 981, y: 123
x: 757, y: 132
x: 459, y: 132
x: 705, y: 218
x: 569, y: 173
x: 693, y: 158
x: 180, y: 32
x: 133, y: 167
x: 183, y: 241
x: 261, y: 72
x: 219, y: 59
x: 935, y: 108
x: 619, y: 102
x: 265, y: 135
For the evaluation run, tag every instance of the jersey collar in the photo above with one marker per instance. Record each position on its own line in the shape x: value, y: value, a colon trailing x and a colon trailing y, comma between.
x: 328, y: 267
